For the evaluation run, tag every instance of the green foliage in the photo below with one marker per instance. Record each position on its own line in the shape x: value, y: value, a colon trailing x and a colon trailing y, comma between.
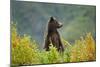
x: 47, y: 57
x: 25, y: 50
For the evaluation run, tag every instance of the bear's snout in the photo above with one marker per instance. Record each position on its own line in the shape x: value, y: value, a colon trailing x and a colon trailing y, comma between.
x: 60, y: 25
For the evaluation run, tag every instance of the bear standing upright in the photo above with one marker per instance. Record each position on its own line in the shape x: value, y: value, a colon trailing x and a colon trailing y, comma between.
x: 53, y: 35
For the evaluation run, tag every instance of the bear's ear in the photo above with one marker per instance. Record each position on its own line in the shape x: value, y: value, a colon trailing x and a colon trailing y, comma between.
x: 51, y: 19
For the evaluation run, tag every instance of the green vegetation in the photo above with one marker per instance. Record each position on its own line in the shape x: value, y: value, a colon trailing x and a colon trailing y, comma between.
x: 78, y: 33
x: 25, y: 50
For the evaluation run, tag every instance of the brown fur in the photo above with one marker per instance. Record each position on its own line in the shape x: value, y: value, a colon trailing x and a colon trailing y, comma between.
x: 53, y: 35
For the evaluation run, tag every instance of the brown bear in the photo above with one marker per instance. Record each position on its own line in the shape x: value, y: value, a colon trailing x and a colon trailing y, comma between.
x: 53, y: 35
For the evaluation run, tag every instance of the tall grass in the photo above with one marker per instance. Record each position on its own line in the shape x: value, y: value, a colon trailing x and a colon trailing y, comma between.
x: 25, y: 51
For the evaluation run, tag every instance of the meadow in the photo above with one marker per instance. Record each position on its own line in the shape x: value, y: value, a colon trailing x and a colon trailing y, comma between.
x: 25, y: 51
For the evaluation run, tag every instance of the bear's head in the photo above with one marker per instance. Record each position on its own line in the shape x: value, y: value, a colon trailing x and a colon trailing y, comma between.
x: 54, y: 24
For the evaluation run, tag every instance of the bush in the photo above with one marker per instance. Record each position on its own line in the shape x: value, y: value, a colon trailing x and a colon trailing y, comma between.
x: 25, y: 50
